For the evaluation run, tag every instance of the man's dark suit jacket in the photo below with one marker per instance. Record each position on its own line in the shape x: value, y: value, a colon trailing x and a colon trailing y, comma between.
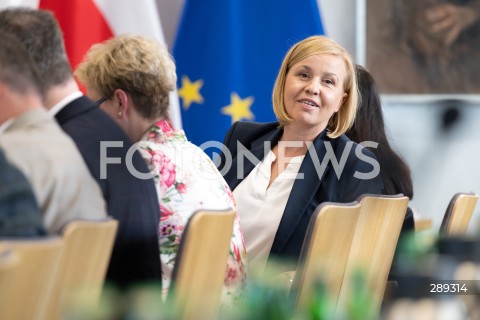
x: 20, y: 215
x: 132, y: 201
x: 317, y: 185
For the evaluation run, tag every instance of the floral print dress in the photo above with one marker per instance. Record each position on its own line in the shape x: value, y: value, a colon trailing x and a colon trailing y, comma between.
x: 186, y: 180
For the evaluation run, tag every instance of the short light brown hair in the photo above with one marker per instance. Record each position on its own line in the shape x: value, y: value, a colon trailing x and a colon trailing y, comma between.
x: 343, y: 119
x: 140, y: 66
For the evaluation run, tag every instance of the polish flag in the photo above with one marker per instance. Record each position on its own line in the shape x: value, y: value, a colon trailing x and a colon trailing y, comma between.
x: 86, y: 22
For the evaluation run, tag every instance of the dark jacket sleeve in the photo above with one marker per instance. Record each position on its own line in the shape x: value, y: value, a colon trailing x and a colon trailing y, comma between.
x: 20, y: 215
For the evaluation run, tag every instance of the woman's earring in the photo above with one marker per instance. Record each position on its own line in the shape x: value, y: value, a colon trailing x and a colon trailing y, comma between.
x: 119, y: 113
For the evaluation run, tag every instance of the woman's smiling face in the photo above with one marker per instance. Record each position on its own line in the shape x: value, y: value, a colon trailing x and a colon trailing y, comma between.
x: 314, y: 90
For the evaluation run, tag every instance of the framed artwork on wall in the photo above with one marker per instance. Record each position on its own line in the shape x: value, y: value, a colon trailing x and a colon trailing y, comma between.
x: 421, y: 49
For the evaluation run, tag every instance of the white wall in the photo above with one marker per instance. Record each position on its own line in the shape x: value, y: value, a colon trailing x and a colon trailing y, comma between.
x: 170, y: 12
x: 442, y: 162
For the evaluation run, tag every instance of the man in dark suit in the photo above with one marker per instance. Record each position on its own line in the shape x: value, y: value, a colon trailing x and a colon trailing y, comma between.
x: 19, y: 212
x: 103, y: 145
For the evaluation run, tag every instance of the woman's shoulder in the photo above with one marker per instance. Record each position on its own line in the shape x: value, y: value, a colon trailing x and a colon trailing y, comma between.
x: 254, y: 126
x: 343, y: 143
x: 245, y: 131
x: 357, y: 156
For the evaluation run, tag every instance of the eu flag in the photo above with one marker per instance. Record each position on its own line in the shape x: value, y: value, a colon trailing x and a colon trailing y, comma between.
x: 228, y: 53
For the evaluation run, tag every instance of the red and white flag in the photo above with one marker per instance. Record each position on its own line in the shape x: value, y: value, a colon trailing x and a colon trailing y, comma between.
x: 86, y: 22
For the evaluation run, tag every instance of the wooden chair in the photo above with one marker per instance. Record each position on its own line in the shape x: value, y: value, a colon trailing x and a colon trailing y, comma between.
x: 84, y: 262
x: 373, y: 247
x: 32, y: 281
x: 458, y: 214
x: 201, y: 263
x: 343, y: 238
x: 325, y: 250
x: 9, y: 261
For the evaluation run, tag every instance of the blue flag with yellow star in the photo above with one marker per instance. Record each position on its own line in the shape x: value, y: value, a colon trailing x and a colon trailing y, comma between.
x: 228, y: 53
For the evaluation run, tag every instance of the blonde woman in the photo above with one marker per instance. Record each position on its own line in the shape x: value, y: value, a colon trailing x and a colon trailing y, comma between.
x: 304, y: 159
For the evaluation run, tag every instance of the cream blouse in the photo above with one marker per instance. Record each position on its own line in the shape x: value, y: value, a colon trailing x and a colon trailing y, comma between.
x: 260, y: 207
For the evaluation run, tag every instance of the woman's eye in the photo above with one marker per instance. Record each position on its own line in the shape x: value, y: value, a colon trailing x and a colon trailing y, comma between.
x: 329, y: 81
x: 304, y: 75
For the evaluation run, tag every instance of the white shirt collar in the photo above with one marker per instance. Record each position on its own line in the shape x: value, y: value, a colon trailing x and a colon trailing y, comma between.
x: 62, y: 103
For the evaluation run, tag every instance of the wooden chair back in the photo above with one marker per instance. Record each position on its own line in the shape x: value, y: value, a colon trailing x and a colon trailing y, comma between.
x: 201, y: 262
x: 88, y: 247
x: 9, y: 261
x: 458, y: 214
x: 373, y: 247
x: 325, y: 250
x: 32, y: 280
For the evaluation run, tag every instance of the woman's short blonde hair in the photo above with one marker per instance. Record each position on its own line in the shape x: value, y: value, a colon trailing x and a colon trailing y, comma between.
x: 140, y: 66
x: 343, y: 119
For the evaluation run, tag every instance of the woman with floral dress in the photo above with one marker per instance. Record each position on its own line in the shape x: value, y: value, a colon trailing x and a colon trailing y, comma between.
x: 131, y: 77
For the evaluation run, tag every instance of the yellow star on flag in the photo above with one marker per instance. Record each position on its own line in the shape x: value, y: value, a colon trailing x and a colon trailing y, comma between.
x: 239, y: 108
x: 190, y: 92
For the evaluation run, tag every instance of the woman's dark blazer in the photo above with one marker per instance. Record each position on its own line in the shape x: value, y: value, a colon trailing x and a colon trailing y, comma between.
x: 317, y: 186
